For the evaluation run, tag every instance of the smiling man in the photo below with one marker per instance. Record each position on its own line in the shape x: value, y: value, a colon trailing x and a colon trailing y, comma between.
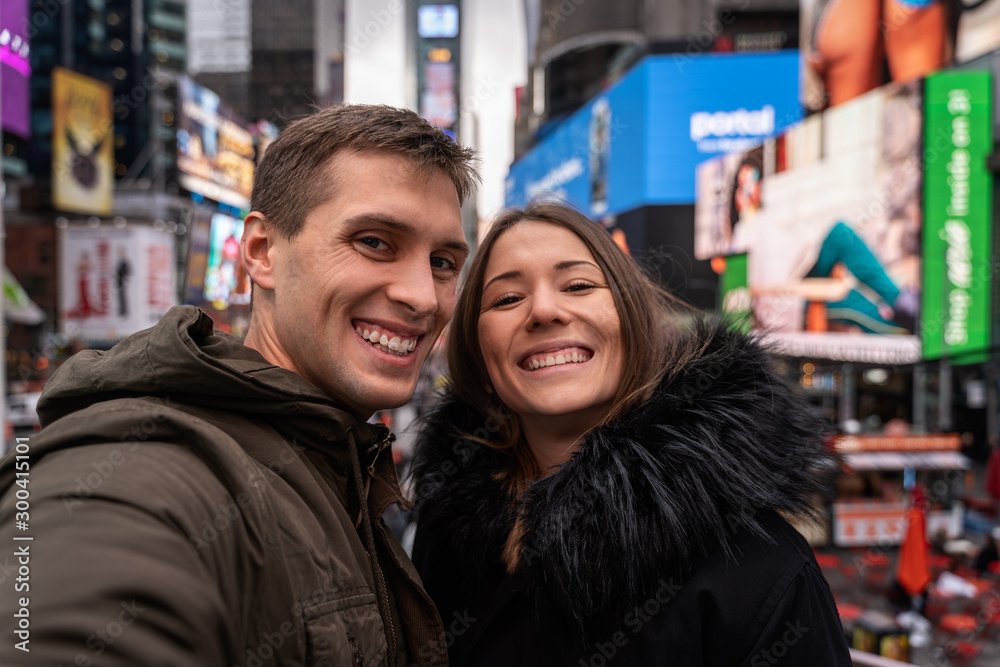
x: 196, y: 500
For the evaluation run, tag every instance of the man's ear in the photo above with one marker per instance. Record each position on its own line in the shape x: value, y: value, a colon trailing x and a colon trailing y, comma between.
x: 257, y: 249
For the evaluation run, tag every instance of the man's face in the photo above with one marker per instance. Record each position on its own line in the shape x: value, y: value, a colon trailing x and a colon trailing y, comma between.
x: 364, y: 289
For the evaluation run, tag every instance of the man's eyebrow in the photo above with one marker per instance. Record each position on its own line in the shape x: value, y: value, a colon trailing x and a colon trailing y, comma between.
x: 388, y: 222
x: 561, y: 266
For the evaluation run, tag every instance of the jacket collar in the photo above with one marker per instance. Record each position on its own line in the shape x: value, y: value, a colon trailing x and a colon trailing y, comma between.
x: 645, y: 497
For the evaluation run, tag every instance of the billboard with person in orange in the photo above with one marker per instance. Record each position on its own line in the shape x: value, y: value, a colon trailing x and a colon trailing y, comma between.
x: 850, y: 46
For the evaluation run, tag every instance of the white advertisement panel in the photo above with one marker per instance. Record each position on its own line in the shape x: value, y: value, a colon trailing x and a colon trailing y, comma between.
x: 114, y: 281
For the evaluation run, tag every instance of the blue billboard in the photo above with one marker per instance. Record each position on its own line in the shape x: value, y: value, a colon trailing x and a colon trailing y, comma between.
x: 638, y: 142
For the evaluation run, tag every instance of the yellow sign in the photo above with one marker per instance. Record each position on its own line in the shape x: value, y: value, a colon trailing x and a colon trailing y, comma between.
x: 82, y: 144
x: 439, y: 55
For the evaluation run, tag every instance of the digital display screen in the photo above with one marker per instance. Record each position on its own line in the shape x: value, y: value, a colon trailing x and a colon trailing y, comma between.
x: 437, y: 21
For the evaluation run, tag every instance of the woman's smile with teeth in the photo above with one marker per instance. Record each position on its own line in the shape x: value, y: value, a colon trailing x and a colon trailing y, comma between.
x: 391, y: 344
x: 545, y: 360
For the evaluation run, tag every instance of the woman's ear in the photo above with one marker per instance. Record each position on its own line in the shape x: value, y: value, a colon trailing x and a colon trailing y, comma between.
x: 257, y: 250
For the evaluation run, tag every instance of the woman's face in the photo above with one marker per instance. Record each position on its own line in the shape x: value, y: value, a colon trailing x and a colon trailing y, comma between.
x: 549, y: 331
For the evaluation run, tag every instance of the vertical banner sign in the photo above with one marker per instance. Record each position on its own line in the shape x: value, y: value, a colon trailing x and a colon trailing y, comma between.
x: 82, y: 144
x: 734, y: 292
x: 957, y: 215
x: 15, y: 67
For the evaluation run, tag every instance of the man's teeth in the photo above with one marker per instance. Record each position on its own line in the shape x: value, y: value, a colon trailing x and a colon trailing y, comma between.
x: 557, y: 360
x: 395, y: 345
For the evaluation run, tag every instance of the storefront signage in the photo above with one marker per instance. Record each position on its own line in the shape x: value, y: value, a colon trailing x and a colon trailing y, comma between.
x: 957, y: 214
x: 856, y: 524
x: 897, y: 443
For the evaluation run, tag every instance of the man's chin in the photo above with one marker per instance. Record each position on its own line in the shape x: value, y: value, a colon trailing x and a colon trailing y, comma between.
x: 386, y: 397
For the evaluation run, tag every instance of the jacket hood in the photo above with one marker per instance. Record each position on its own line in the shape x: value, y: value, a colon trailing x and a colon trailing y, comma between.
x: 646, y: 497
x: 183, y: 359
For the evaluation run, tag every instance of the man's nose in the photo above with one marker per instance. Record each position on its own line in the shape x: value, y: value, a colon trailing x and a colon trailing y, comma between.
x: 415, y: 288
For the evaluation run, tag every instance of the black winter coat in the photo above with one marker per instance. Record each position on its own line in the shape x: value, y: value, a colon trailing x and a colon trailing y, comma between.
x: 660, y: 542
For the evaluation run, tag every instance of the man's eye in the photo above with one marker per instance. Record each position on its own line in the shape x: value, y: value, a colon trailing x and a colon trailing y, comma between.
x: 373, y: 242
x: 442, y: 263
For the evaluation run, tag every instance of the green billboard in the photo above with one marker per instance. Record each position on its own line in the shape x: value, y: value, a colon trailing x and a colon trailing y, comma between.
x: 957, y: 237
x: 734, y: 293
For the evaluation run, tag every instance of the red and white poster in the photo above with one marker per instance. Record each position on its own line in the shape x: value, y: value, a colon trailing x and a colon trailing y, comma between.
x: 114, y: 281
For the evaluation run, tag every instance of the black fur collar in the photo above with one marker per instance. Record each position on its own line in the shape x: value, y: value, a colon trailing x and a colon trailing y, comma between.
x: 645, y: 497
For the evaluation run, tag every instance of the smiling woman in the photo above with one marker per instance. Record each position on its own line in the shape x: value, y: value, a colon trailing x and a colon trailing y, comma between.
x: 630, y: 509
x: 550, y: 335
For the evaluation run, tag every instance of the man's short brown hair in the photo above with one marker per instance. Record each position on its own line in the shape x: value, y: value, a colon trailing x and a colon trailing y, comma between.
x: 293, y: 176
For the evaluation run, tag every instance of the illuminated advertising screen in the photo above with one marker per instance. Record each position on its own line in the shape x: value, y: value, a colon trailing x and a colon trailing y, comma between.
x: 226, y: 282
x: 215, y: 153
x: 958, y: 234
x: 850, y: 48
x: 638, y: 143
x: 114, y: 281
x: 199, y: 241
x: 829, y: 217
x: 82, y: 144
x: 438, y: 103
x: 15, y: 68
x: 436, y: 21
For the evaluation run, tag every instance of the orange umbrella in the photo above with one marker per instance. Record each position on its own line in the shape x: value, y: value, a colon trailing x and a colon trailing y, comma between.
x: 913, y: 570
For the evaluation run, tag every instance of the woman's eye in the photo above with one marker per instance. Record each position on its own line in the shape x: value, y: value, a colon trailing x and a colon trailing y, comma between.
x: 505, y: 300
x: 580, y: 286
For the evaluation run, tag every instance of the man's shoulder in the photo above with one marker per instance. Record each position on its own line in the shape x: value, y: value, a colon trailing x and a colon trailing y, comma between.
x: 134, y: 449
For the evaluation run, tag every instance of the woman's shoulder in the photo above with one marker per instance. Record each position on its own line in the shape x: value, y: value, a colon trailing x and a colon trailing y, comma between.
x: 764, y: 588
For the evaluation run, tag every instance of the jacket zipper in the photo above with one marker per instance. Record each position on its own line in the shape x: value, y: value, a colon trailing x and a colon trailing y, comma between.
x: 386, y: 442
x: 388, y: 609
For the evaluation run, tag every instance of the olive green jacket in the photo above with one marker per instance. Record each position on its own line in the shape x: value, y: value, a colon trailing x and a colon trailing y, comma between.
x: 189, y: 503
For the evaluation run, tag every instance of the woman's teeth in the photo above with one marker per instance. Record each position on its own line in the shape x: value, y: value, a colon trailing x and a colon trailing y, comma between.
x: 556, y: 360
x: 395, y: 345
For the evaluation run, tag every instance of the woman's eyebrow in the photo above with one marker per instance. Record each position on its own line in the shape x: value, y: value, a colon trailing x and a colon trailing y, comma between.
x: 569, y: 263
x: 503, y: 276
x: 561, y: 266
